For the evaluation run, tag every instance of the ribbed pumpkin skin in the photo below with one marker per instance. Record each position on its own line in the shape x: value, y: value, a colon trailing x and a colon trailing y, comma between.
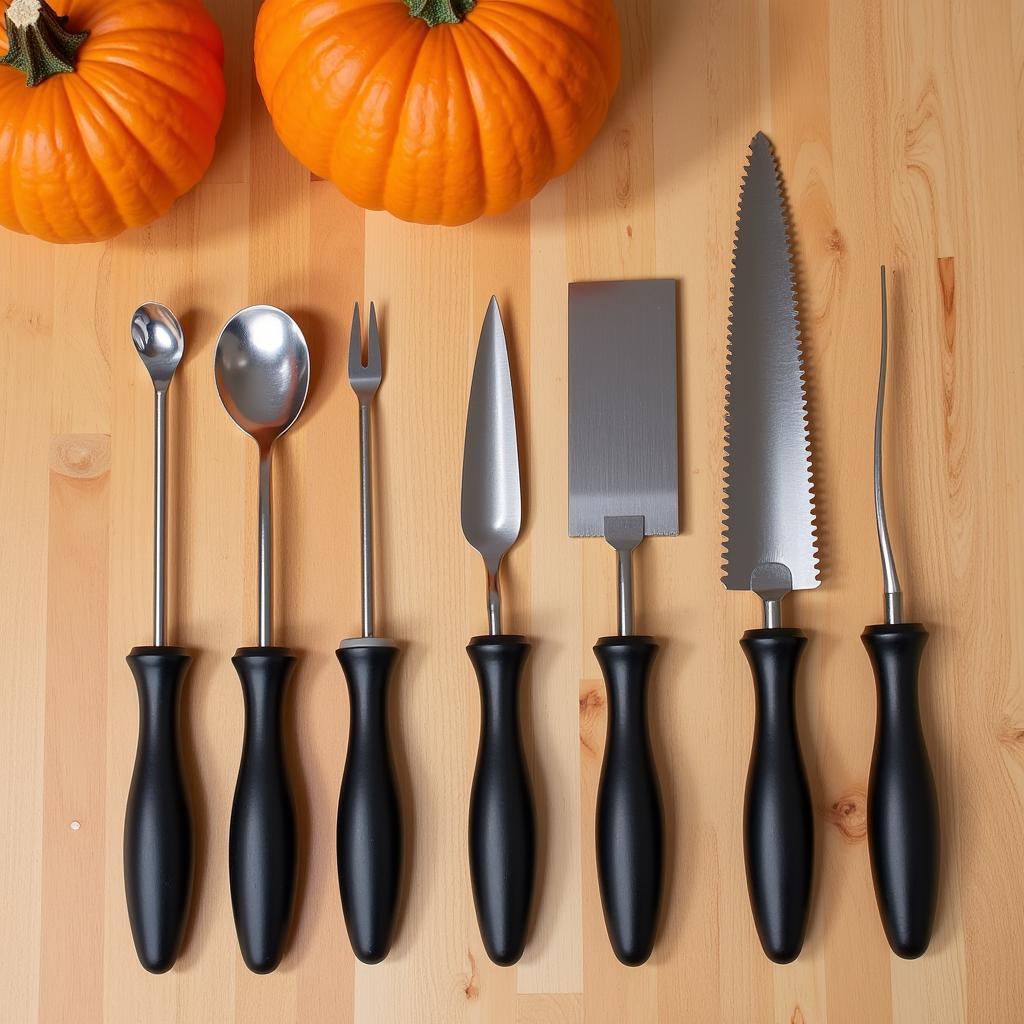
x: 437, y: 125
x: 85, y: 155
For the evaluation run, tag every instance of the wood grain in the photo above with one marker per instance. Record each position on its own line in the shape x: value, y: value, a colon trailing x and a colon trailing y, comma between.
x: 900, y: 126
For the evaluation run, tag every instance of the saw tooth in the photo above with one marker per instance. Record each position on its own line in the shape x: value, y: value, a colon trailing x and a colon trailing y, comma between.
x: 768, y: 500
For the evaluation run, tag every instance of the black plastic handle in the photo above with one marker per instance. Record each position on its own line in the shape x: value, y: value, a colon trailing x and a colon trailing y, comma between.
x: 262, y: 842
x: 502, y: 848
x: 158, y: 838
x: 369, y: 815
x: 778, y: 827
x: 903, y: 812
x: 630, y: 828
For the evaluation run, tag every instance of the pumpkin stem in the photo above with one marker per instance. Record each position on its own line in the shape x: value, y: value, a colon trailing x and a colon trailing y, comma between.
x: 39, y: 44
x: 440, y: 12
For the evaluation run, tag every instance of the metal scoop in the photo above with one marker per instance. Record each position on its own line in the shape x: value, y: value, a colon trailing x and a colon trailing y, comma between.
x: 262, y: 371
x: 158, y: 846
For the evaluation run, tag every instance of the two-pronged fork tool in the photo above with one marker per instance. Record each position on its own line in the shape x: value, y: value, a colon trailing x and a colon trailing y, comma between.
x: 369, y: 814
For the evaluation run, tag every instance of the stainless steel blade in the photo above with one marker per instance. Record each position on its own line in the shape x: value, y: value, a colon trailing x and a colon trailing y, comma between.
x: 623, y: 415
x: 769, y: 502
x: 623, y: 419
x: 491, y: 496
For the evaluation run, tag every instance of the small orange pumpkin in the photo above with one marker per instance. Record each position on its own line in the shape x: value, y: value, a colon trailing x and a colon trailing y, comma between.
x: 108, y: 112
x: 438, y: 110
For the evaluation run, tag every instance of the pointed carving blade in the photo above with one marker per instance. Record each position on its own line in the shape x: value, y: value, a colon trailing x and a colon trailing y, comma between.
x: 769, y: 500
x: 491, y: 493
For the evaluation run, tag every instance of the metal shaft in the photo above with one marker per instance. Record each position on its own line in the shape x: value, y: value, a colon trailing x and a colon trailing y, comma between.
x: 493, y: 604
x: 266, y: 551
x: 160, y: 521
x: 772, y: 608
x: 624, y: 534
x: 893, y: 592
x: 366, y: 513
x: 625, y: 591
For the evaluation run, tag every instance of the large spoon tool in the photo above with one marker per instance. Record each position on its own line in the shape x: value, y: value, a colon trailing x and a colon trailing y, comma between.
x: 158, y: 837
x: 262, y: 372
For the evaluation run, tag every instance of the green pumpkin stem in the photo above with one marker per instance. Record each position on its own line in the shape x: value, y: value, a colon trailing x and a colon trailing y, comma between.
x: 440, y: 12
x: 39, y: 44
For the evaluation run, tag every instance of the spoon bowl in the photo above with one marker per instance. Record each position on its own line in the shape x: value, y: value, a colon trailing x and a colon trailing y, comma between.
x: 262, y: 370
x: 159, y: 340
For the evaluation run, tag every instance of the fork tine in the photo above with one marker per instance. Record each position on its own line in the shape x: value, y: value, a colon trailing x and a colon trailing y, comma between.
x: 373, y: 346
x: 355, y: 347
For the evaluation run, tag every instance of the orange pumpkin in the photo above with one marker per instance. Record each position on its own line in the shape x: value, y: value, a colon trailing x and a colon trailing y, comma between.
x: 108, y: 112
x: 438, y: 110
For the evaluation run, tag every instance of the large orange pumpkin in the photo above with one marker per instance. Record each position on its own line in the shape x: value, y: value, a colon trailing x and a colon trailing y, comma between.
x: 438, y: 110
x: 108, y: 112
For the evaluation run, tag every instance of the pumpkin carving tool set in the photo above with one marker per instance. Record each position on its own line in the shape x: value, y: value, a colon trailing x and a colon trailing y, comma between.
x: 623, y: 486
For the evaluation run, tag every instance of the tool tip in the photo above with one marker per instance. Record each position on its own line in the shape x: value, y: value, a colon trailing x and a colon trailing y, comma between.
x: 493, y: 311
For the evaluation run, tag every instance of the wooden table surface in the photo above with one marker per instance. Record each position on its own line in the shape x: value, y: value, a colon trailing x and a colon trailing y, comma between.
x: 899, y: 126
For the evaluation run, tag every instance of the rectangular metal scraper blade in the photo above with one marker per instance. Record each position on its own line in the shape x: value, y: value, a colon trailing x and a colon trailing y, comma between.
x: 623, y: 413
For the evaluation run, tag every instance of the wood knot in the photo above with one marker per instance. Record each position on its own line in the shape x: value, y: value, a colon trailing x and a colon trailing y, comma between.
x: 592, y: 704
x: 471, y: 988
x: 836, y: 243
x: 622, y: 149
x: 798, y: 1016
x: 1011, y: 734
x: 947, y: 286
x: 849, y: 815
x: 80, y: 456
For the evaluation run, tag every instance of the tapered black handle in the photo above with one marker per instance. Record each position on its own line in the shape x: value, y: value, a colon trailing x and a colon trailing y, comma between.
x: 630, y: 829
x: 369, y: 815
x: 502, y: 852
x: 903, y: 812
x: 262, y: 843
x: 778, y: 832
x: 158, y: 838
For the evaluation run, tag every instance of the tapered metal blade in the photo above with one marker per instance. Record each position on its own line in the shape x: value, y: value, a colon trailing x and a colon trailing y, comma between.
x: 769, y: 500
x: 491, y: 496
x: 623, y: 415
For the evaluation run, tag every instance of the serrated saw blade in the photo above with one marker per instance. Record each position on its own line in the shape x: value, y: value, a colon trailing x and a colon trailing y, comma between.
x: 769, y: 500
